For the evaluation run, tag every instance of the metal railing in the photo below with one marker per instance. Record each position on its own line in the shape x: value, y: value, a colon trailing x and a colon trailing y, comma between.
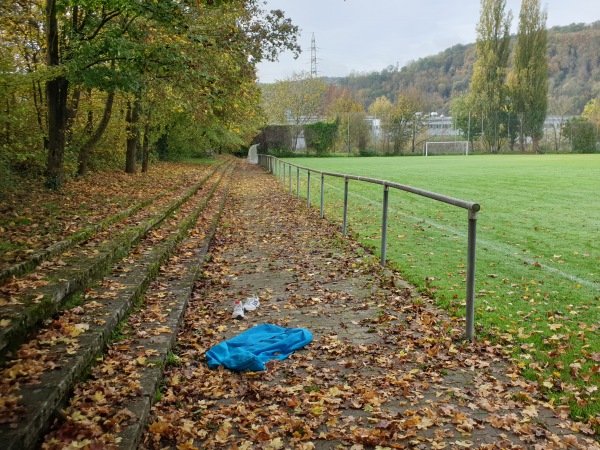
x: 279, y: 168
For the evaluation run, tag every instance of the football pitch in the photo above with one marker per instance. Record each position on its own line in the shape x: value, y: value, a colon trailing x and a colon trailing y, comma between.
x: 538, y: 244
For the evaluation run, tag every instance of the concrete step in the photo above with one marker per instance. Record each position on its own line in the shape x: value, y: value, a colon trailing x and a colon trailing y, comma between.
x: 55, y: 249
x: 39, y: 377
x: 34, y: 299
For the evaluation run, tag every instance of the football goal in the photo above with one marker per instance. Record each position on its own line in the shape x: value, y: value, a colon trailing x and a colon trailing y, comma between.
x: 446, y: 148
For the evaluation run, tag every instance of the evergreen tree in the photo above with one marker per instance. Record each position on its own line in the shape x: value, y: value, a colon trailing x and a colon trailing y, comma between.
x: 488, y: 94
x: 528, y: 81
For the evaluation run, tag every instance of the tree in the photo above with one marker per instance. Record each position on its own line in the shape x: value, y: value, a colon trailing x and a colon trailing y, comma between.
x: 56, y: 99
x: 488, y: 93
x: 591, y: 111
x: 528, y: 81
x: 405, y: 118
x: 381, y: 109
x: 97, y: 47
x: 22, y: 78
x: 93, y: 134
x: 193, y: 58
x: 295, y: 101
x: 560, y: 108
x: 467, y: 122
x: 353, y: 130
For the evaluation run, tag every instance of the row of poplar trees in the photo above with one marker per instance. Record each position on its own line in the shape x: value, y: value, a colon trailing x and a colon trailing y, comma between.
x: 187, y: 66
x: 499, y: 98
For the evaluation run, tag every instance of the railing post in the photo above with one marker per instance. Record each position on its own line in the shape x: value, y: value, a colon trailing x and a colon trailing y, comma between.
x: 290, y: 176
x: 308, y: 189
x: 470, y: 306
x: 345, y: 221
x: 384, y: 220
x: 283, y: 170
x: 298, y: 182
x: 322, y: 196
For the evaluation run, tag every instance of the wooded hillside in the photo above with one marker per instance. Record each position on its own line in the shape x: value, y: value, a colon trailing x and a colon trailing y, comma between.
x: 574, y: 72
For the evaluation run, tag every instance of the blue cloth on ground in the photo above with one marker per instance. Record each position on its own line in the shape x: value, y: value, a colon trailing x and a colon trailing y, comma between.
x: 253, y: 348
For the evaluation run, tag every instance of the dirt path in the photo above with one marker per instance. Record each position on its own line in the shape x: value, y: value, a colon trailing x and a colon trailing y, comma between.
x: 386, y: 369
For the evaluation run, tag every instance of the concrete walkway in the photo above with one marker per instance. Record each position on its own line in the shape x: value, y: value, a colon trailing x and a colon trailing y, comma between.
x: 386, y: 368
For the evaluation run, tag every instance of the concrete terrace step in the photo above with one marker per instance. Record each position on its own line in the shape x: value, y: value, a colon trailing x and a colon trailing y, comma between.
x: 36, y: 300
x: 156, y: 337
x: 44, y: 371
x: 55, y: 249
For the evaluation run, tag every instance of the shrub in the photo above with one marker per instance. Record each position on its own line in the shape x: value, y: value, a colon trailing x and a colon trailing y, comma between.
x: 320, y: 136
x: 582, y: 134
x: 274, y: 138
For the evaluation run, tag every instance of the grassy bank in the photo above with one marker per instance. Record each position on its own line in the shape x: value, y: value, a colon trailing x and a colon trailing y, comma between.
x: 538, y: 250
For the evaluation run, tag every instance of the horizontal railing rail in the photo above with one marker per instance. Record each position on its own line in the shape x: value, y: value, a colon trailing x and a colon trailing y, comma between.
x: 279, y: 167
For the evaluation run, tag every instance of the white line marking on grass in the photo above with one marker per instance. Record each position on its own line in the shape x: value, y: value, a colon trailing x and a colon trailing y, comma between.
x: 493, y: 245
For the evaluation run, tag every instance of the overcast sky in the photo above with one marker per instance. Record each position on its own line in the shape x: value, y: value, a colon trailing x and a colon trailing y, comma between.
x: 365, y: 36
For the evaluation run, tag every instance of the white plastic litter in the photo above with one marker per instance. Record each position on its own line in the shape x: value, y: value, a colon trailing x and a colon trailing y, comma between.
x: 252, y: 303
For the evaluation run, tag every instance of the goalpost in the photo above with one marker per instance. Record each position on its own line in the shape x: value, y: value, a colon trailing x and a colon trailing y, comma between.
x: 446, y: 148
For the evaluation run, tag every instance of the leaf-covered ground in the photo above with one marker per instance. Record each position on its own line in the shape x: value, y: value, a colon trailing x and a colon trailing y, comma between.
x: 32, y: 218
x: 386, y: 368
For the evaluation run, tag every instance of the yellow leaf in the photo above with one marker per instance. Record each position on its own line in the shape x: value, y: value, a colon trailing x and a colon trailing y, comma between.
x: 425, y: 423
x: 530, y: 411
x: 80, y: 444
x: 317, y: 410
x: 275, y: 444
x: 78, y: 329
x: 99, y: 397
x: 77, y: 416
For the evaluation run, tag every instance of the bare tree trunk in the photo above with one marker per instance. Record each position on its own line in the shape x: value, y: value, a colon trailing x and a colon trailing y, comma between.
x: 521, y: 134
x: 88, y: 146
x: 56, y: 95
x: 38, y: 98
x: 132, y: 118
x: 7, y: 123
x: 72, y: 108
x: 535, y: 144
x: 146, y: 146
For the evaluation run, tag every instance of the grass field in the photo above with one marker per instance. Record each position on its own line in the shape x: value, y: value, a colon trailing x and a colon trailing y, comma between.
x: 538, y: 250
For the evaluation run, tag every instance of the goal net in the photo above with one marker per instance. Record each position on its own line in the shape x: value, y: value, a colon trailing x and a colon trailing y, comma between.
x: 446, y: 148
